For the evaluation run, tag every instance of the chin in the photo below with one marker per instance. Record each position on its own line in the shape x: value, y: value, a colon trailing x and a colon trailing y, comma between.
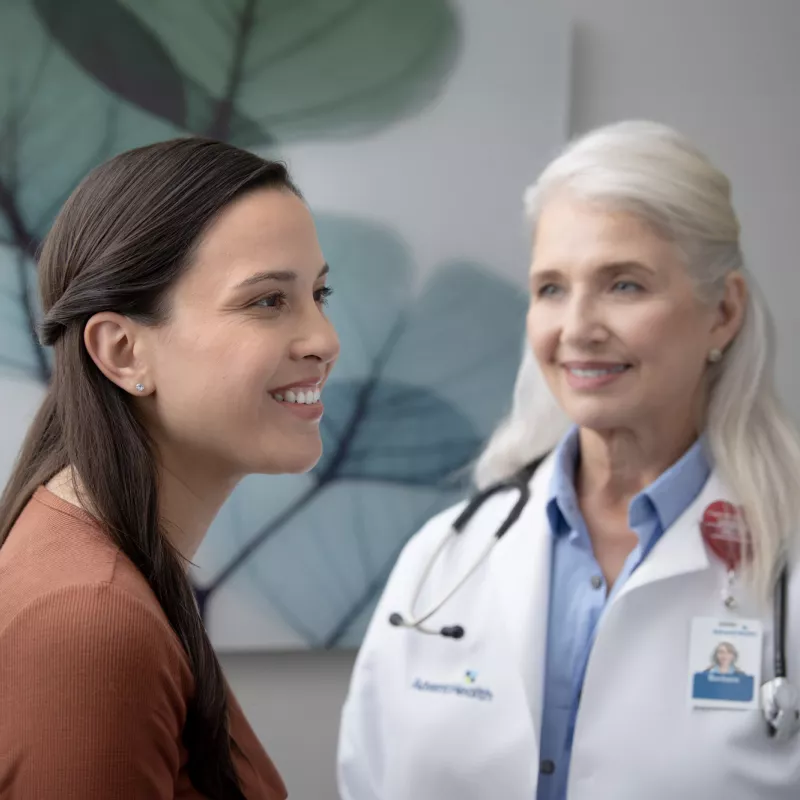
x: 294, y: 462
x: 598, y: 416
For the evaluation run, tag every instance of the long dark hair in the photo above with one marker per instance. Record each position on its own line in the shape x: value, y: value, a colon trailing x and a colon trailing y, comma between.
x: 120, y: 242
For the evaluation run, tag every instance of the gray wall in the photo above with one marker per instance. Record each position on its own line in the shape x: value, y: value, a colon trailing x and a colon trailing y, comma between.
x: 727, y: 72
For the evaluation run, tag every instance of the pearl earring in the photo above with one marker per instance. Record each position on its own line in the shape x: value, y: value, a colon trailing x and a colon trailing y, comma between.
x: 139, y: 387
x: 715, y: 355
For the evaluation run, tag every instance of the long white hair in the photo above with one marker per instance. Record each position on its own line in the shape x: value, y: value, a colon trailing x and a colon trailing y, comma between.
x: 655, y: 173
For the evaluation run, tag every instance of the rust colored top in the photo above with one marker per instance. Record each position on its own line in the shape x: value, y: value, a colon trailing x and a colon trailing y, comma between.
x: 94, y: 683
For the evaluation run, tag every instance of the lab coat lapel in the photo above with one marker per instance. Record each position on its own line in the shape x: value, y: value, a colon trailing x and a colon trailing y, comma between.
x: 523, y: 580
x: 681, y: 549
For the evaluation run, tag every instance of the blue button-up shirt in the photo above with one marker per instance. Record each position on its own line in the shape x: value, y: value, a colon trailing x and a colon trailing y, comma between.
x: 579, y: 592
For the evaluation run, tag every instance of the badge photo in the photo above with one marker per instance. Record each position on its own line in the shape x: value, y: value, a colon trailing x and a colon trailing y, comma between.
x: 725, y: 663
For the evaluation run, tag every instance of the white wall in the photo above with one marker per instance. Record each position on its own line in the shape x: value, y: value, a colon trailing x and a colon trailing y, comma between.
x: 727, y: 72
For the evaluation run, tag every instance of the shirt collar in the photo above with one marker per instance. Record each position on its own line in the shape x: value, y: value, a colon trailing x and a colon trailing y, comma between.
x: 672, y: 492
x: 562, y: 506
x: 667, y: 497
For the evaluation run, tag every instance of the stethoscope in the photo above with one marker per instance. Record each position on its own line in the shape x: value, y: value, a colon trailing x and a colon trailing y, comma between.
x: 519, y: 482
x: 780, y: 700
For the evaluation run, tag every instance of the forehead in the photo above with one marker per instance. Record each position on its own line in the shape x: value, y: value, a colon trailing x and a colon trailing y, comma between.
x: 573, y: 233
x: 264, y: 229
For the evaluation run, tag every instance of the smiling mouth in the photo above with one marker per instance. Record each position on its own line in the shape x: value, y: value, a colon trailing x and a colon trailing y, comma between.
x: 298, y: 396
x: 597, y: 372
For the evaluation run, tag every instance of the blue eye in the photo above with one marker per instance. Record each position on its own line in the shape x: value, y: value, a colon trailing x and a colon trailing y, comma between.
x: 548, y: 290
x: 626, y: 287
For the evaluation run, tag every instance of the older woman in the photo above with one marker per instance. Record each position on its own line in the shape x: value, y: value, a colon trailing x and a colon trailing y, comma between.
x: 663, y: 502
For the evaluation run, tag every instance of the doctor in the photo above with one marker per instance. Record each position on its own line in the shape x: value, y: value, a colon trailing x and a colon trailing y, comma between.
x: 574, y: 660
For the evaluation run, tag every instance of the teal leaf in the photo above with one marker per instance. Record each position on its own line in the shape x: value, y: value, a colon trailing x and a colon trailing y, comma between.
x: 121, y: 52
x: 56, y: 123
x: 20, y: 354
x: 254, y: 71
x: 325, y: 570
x: 463, y: 335
x: 371, y: 272
x: 107, y: 41
x: 393, y: 432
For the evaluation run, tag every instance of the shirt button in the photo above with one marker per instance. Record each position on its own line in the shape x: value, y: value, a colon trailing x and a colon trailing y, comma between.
x: 597, y: 581
x: 547, y: 767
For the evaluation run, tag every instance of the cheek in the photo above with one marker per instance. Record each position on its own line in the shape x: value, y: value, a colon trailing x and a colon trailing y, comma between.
x: 542, y: 335
x: 214, y: 377
x: 657, y: 333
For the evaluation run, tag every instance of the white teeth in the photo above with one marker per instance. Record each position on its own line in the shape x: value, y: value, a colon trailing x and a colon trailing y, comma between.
x: 308, y: 397
x: 596, y: 373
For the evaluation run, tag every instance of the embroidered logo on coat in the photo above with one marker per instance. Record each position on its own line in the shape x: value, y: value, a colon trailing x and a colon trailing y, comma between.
x: 469, y: 691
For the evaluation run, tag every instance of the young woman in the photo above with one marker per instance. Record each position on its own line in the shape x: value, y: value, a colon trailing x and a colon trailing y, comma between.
x: 183, y: 291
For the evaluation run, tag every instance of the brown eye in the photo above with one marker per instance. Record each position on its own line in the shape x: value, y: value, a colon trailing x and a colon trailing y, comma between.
x: 274, y: 300
x: 322, y: 295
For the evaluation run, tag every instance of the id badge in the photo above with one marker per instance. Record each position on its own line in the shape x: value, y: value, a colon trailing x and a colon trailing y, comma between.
x: 725, y: 663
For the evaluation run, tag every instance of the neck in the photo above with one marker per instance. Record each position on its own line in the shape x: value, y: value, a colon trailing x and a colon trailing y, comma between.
x: 617, y: 464
x: 188, y: 502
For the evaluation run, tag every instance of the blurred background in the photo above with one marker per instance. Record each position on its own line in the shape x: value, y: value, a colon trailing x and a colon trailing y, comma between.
x: 412, y: 127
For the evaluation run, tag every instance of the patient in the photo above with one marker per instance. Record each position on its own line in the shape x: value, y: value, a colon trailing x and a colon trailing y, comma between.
x: 183, y: 290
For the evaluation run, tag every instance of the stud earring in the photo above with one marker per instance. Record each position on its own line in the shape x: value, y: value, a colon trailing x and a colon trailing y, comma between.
x: 139, y: 387
x: 715, y: 355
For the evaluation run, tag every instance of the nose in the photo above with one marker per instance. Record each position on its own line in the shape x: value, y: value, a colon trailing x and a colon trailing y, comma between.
x: 316, y: 338
x: 583, y: 322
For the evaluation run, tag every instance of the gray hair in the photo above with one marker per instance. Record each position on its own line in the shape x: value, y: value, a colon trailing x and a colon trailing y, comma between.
x: 655, y: 173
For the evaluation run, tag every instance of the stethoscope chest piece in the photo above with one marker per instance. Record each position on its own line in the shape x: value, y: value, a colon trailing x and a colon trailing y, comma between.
x: 780, y: 702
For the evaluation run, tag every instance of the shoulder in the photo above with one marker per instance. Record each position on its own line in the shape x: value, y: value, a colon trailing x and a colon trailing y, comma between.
x: 56, y: 547
x: 95, y: 630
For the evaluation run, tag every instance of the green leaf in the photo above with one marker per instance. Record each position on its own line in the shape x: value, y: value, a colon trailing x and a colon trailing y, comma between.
x: 250, y: 71
x: 56, y: 123
x: 114, y: 46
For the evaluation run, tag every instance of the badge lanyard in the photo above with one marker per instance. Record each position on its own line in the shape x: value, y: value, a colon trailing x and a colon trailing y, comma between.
x: 723, y: 530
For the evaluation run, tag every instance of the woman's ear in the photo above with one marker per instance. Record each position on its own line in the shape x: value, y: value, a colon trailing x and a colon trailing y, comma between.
x: 112, y: 342
x: 730, y: 310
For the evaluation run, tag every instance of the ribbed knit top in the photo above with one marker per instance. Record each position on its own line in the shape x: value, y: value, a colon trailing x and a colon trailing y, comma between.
x: 94, y: 683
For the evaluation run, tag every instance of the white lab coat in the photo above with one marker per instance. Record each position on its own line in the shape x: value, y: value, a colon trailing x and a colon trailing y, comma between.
x: 636, y: 737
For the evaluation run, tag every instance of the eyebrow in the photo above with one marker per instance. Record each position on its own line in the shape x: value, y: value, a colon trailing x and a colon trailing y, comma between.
x: 281, y: 276
x: 612, y: 267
